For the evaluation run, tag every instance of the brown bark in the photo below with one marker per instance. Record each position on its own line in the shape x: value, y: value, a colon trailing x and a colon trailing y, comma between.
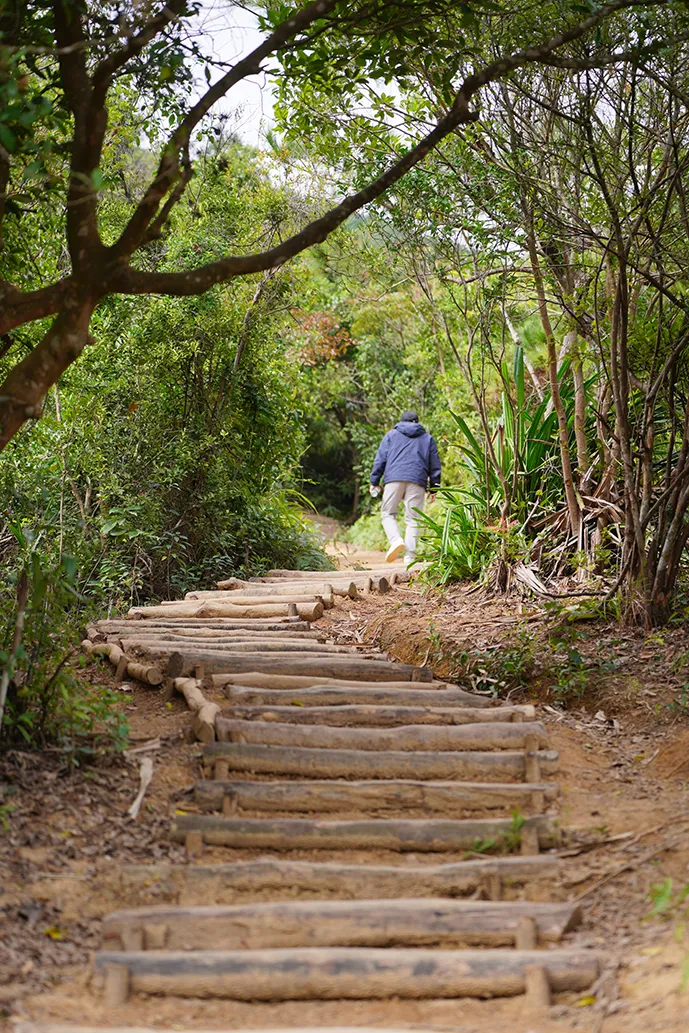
x: 165, y: 644
x: 286, y: 663
x: 404, y: 694
x: 309, y: 611
x: 565, y: 457
x: 151, y: 629
x: 352, y: 716
x: 297, y: 588
x: 205, y: 712
x: 450, y: 799
x: 572, y: 346
x: 280, y: 576
x: 467, y: 765
x: 340, y: 973
x: 255, y: 598
x: 477, y: 736
x: 259, y: 680
x: 150, y: 674
x: 398, y: 923
x: 431, y: 835
x: 25, y: 388
x: 286, y: 880
x: 254, y: 626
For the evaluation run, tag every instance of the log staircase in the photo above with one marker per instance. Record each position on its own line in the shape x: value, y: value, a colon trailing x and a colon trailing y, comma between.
x: 329, y: 765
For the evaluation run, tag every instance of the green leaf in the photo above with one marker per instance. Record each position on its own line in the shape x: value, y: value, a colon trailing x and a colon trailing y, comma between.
x: 7, y: 138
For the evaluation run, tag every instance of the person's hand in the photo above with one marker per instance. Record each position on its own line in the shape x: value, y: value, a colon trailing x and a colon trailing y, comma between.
x: 374, y: 489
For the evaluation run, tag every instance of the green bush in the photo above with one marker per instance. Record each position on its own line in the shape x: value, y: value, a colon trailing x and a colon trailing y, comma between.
x: 42, y: 698
x: 455, y: 546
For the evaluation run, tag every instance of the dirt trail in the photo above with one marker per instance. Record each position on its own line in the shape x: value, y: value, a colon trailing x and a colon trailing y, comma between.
x: 72, y: 858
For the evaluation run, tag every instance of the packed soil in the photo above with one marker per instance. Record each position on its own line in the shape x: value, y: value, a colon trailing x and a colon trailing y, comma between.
x: 622, y: 732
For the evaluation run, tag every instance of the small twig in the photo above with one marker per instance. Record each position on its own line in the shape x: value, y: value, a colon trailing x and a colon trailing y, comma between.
x: 594, y: 844
x: 625, y: 868
x: 152, y: 744
x: 145, y: 774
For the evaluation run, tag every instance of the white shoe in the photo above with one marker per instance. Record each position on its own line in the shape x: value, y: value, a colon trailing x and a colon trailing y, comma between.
x: 408, y: 558
x: 394, y: 552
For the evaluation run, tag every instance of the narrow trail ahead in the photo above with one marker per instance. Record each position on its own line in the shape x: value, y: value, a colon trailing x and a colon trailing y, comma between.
x: 366, y: 845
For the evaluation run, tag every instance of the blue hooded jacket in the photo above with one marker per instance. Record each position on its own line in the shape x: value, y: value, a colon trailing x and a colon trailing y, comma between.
x: 407, y: 453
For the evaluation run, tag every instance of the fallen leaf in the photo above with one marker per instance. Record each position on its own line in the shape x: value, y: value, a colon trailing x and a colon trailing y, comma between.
x: 586, y: 1002
x: 54, y: 932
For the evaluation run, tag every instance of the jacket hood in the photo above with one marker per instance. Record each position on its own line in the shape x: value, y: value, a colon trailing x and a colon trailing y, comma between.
x: 410, y: 430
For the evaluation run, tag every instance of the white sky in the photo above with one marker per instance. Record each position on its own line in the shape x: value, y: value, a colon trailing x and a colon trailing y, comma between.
x: 230, y: 34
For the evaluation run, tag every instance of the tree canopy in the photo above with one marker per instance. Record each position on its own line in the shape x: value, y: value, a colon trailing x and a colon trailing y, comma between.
x: 63, y: 62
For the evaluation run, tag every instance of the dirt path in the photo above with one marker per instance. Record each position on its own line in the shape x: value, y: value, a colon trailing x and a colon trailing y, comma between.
x: 72, y: 858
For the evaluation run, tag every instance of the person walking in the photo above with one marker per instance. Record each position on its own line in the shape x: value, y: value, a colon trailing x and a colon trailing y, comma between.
x: 408, y: 459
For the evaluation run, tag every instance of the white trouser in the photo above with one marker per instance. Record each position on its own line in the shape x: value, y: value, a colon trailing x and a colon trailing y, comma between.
x: 413, y: 496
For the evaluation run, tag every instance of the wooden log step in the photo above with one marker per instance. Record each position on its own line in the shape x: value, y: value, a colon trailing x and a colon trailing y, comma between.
x: 478, y: 736
x: 354, y: 667
x: 361, y: 923
x: 332, y: 796
x: 303, y: 595
x: 160, y: 647
x: 123, y: 664
x: 432, y: 835
x: 264, y: 680
x: 334, y: 973
x: 286, y: 880
x: 390, y: 568
x: 348, y: 716
x: 468, y: 766
x: 137, y: 629
x: 325, y: 695
x: 340, y: 585
x: 288, y: 624
x: 344, y: 589
x: 253, y: 599
x: 204, y: 710
x: 308, y: 611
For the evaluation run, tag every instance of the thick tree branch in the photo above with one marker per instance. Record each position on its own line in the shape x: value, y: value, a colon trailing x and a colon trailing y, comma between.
x: 24, y: 390
x: 89, y: 128
x: 19, y: 307
x: 196, y: 281
x: 169, y: 168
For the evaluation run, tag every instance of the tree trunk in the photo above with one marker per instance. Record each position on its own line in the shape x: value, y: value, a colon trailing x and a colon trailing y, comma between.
x: 341, y: 973
x: 565, y: 456
x: 572, y: 345
x: 25, y: 388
